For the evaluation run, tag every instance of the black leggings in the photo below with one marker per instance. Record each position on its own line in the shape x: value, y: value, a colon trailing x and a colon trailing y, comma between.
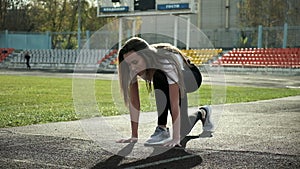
x: 161, y: 87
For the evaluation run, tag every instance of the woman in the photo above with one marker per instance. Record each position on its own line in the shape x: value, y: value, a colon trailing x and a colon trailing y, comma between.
x: 161, y: 65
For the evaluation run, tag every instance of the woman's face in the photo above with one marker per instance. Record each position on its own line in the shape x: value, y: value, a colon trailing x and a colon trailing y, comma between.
x: 136, y: 63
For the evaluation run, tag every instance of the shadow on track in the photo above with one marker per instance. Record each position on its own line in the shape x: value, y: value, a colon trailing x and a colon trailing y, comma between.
x: 160, y: 158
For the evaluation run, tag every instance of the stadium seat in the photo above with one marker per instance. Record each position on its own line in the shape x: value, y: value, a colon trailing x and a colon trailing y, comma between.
x: 109, y: 58
x: 258, y: 57
x: 5, y: 52
x: 201, y: 56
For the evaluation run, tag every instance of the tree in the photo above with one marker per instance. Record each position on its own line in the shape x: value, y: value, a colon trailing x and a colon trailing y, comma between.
x: 59, y: 17
x: 271, y: 14
x: 13, y: 15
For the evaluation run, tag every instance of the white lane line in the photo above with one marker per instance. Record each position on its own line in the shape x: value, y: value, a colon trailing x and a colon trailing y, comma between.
x: 37, y: 163
x: 162, y: 161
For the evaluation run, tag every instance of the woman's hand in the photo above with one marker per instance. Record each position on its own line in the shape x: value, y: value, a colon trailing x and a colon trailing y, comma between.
x: 129, y: 140
x: 173, y: 143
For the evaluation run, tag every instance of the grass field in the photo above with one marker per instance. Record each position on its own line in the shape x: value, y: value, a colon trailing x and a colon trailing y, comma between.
x: 26, y: 100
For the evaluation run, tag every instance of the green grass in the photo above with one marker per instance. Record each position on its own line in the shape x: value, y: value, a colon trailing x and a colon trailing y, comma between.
x: 26, y: 100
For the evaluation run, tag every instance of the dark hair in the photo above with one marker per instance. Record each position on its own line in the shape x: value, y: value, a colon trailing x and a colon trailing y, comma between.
x: 134, y: 44
x: 150, y: 53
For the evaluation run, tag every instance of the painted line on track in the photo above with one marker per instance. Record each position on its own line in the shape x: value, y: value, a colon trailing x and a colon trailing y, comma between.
x: 162, y: 161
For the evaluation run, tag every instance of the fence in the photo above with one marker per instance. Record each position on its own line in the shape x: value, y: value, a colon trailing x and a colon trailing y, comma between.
x: 24, y: 40
x: 258, y: 37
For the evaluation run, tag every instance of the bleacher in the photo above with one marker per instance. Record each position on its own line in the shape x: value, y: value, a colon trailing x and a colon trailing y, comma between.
x: 201, y: 56
x: 110, y: 58
x: 60, y: 59
x: 106, y: 60
x: 261, y: 57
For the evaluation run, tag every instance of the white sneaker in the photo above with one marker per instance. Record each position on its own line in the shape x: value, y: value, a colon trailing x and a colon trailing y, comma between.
x: 160, y: 136
x: 206, y: 118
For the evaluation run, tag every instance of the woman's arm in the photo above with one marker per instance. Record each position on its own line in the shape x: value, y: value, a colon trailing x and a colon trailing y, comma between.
x: 175, y: 108
x: 134, y: 108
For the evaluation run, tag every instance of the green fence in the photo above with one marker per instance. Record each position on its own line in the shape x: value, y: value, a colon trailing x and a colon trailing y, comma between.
x: 255, y: 37
x: 24, y: 40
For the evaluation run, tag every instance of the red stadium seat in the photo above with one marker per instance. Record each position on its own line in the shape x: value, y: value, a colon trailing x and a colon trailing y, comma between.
x: 258, y: 57
x: 5, y: 52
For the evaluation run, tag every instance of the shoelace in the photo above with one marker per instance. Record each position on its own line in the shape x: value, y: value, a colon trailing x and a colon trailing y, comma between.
x: 157, y: 130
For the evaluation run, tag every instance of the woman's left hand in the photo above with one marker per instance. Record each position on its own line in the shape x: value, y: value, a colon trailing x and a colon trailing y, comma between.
x: 129, y: 140
x: 173, y: 143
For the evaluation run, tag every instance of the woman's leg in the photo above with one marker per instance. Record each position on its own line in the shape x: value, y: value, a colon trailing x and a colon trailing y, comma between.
x: 161, y: 88
x: 184, y: 119
x: 161, y: 134
x: 189, y: 119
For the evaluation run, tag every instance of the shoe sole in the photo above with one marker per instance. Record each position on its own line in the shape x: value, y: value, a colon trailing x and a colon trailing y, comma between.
x: 158, y: 143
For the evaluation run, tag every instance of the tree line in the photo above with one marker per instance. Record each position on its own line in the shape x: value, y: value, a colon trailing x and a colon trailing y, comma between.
x: 269, y: 13
x: 62, y: 16
x: 50, y: 15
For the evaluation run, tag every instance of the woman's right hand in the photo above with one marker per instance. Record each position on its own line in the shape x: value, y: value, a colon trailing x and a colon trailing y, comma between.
x: 129, y: 140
